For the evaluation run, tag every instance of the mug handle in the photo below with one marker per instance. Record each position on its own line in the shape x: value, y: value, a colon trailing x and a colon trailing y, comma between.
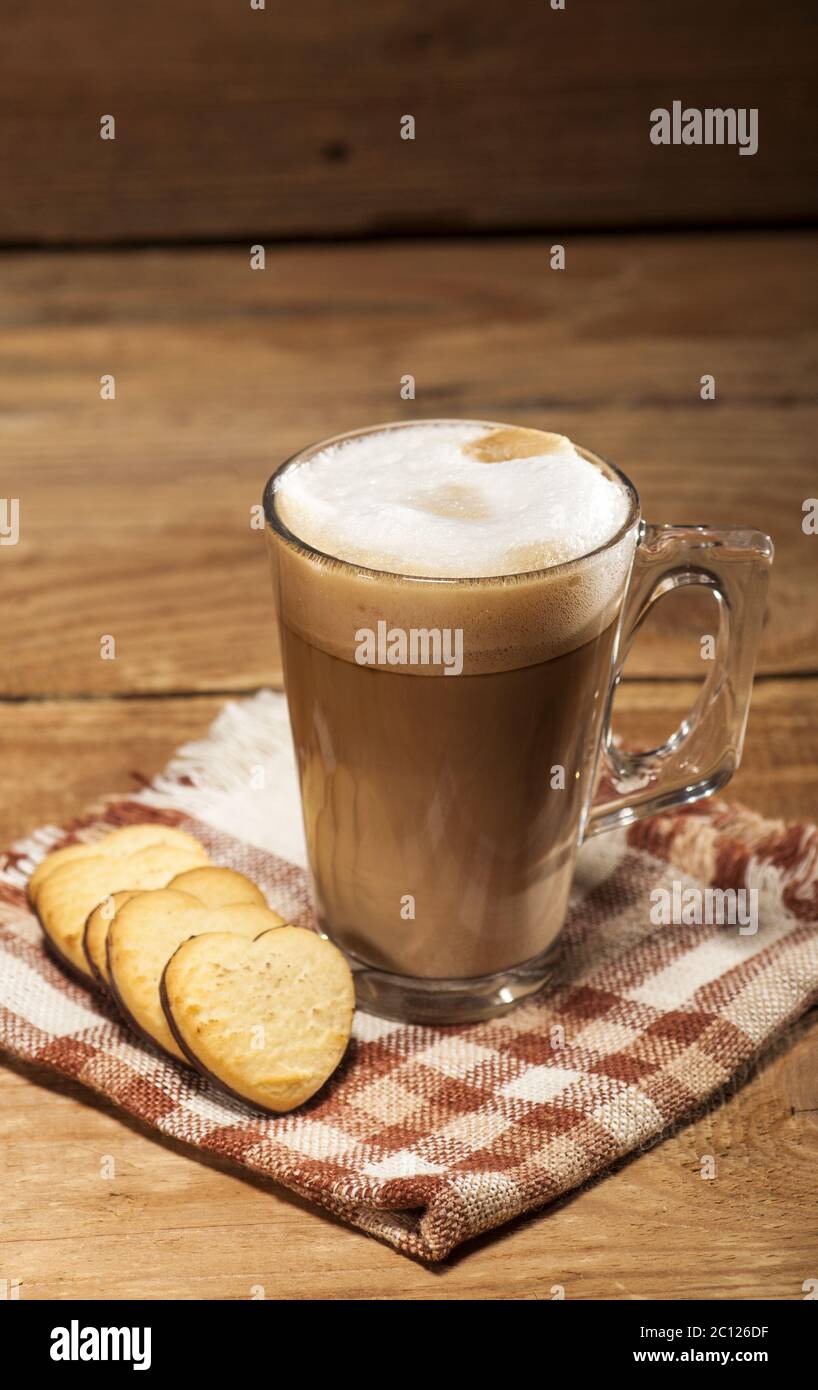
x: 704, y: 752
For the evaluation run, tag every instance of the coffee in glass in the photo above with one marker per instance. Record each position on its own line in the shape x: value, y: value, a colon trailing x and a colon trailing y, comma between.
x: 450, y: 597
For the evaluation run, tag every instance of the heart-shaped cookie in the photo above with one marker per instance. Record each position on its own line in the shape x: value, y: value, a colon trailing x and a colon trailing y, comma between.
x: 211, y: 885
x: 144, y: 935
x: 95, y: 936
x: 267, y: 1020
x: 128, y: 840
x: 75, y: 887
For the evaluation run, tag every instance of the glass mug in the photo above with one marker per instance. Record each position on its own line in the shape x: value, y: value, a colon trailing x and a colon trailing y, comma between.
x: 444, y: 805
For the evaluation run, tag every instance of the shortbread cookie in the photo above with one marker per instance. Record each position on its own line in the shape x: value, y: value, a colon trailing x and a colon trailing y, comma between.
x: 74, y: 889
x: 95, y: 935
x: 215, y: 886
x: 144, y: 935
x: 119, y: 842
x: 211, y: 885
x: 267, y: 1020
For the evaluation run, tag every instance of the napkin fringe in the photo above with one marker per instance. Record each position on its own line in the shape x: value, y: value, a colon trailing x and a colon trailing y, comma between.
x: 248, y: 750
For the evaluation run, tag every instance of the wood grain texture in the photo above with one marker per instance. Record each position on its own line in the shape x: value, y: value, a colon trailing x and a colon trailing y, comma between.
x: 233, y: 122
x: 135, y: 522
x: 168, y: 1225
x: 135, y: 513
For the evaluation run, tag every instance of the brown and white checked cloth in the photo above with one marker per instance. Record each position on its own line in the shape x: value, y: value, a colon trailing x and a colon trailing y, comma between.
x: 425, y: 1137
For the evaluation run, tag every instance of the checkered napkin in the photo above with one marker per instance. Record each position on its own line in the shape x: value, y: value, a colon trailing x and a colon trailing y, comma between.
x: 428, y: 1136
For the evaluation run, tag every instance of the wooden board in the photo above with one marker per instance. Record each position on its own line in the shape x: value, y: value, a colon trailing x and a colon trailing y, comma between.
x: 135, y: 523
x: 168, y: 1225
x: 135, y: 513
x: 233, y: 122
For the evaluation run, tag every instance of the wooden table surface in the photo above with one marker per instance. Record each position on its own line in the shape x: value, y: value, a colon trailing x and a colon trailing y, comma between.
x: 135, y: 520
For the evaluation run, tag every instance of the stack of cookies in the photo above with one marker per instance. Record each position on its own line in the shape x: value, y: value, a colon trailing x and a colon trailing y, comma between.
x: 198, y: 963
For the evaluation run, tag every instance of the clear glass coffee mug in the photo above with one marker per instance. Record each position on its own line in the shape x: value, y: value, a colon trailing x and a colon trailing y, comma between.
x: 443, y: 812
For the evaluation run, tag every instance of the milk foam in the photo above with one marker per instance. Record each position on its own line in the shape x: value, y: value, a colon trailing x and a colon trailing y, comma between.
x: 451, y: 500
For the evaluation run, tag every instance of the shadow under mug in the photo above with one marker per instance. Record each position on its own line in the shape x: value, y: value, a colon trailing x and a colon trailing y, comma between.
x: 445, y: 798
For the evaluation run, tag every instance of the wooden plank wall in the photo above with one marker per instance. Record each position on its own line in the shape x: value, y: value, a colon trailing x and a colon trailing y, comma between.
x: 234, y: 122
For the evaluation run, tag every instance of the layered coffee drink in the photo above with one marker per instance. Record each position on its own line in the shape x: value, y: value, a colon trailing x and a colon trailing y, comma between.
x: 448, y: 596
